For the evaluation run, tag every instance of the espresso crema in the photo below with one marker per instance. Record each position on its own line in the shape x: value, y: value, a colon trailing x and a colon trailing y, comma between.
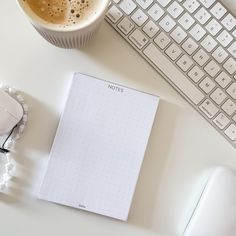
x: 64, y: 13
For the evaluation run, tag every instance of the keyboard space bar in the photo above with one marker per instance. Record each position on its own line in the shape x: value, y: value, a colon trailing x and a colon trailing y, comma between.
x: 173, y: 74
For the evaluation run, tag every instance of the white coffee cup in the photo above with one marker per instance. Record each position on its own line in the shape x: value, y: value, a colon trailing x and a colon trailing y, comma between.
x: 70, y: 37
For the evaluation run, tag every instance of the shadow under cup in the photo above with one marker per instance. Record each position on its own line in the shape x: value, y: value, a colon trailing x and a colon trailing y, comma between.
x: 74, y: 36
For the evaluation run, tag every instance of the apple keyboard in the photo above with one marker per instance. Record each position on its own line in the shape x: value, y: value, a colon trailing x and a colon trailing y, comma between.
x: 191, y: 43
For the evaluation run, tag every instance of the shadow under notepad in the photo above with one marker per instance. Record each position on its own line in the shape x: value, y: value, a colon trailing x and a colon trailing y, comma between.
x: 143, y: 207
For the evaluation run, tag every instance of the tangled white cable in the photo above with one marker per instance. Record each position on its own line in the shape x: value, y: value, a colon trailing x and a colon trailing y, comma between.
x: 7, y: 160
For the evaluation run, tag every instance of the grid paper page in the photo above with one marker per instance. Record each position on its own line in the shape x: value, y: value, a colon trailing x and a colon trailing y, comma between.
x: 99, y: 147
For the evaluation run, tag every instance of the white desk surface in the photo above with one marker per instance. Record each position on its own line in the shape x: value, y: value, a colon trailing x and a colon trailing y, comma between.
x: 181, y: 148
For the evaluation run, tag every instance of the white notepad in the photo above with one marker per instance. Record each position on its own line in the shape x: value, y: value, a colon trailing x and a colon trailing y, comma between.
x: 99, y: 147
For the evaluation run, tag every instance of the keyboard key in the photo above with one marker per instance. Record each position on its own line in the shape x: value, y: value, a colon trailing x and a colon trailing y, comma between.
x: 178, y: 34
x: 150, y: 29
x: 213, y: 27
x: 202, y: 15
x: 230, y: 65
x: 231, y: 132
x: 229, y: 107
x: 220, y: 54
x: 127, y: 6
x: 218, y: 96
x: 114, y: 14
x: 224, y: 38
x: 179, y: 80
x: 186, y: 21
x: 229, y: 22
x: 201, y: 57
x: 125, y: 26
x: 207, y: 3
x: 223, y: 79
x: 190, y: 46
x: 232, y: 49
x: 221, y: 121
x: 231, y: 90
x: 212, y: 68
x: 184, y: 63
x: 162, y: 40
x: 138, y: 39
x: 156, y: 12
x: 144, y: 3
x: 164, y: 3
x: 139, y: 17
x: 167, y: 23
x: 207, y: 85
x: 209, y: 108
x: 196, y: 74
x: 191, y: 5
x: 197, y: 32
x: 173, y: 51
x: 218, y: 10
x: 175, y: 9
x: 209, y: 43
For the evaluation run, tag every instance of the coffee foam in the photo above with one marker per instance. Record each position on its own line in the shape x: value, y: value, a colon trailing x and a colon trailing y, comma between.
x: 64, y: 13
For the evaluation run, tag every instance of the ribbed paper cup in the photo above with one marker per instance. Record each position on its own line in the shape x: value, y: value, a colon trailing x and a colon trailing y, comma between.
x: 71, y: 37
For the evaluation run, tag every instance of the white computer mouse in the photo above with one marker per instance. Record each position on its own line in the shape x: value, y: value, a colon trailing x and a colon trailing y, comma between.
x: 215, y: 212
x: 11, y: 113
